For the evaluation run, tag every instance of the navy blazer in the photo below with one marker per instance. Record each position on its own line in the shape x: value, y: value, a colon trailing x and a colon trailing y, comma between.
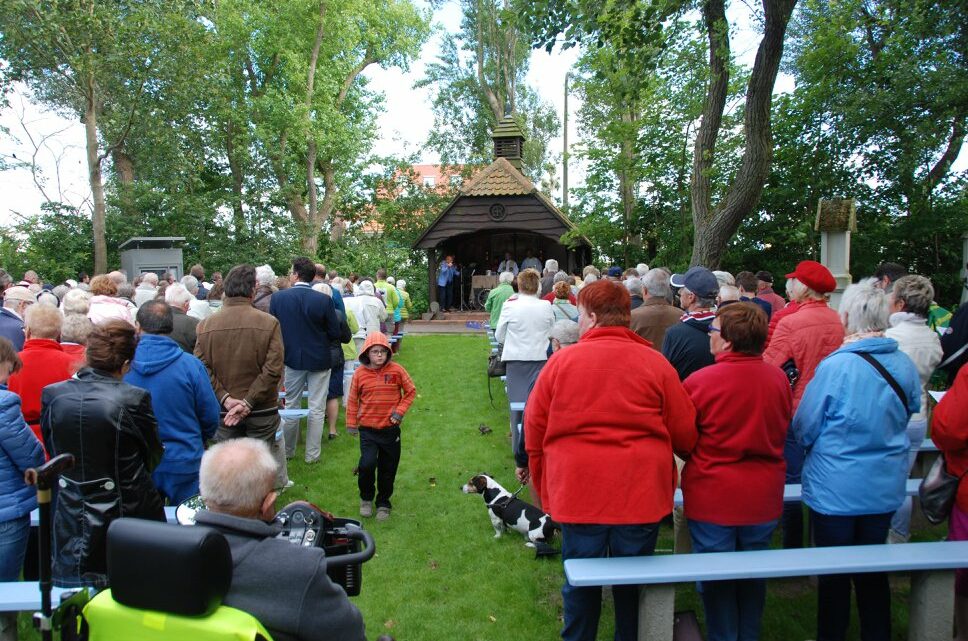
x: 308, y: 321
x: 12, y: 328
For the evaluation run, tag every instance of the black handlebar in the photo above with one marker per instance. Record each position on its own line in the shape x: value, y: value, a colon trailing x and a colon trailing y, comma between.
x: 351, y: 531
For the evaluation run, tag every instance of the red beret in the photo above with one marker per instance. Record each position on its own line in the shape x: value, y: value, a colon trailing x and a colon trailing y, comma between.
x: 815, y: 276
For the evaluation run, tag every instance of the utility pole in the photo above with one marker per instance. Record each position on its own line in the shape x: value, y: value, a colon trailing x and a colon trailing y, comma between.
x: 564, y: 155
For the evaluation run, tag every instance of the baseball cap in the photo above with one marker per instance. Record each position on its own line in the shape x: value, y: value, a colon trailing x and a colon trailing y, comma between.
x: 19, y: 293
x: 615, y: 271
x: 699, y: 280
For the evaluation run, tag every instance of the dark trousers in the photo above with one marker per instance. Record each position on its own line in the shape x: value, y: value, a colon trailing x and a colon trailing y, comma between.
x: 583, y: 606
x: 379, y: 459
x: 872, y: 590
x: 445, y: 297
x: 793, y: 510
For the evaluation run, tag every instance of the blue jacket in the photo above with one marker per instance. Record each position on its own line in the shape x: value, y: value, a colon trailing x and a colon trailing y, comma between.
x: 182, y: 398
x: 12, y: 328
x: 446, y: 274
x: 853, y: 427
x: 309, y: 324
x: 19, y: 450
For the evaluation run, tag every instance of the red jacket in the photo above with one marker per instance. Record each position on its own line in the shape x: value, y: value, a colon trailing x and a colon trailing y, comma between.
x: 791, y: 308
x: 736, y: 472
x: 44, y: 363
x: 808, y: 337
x: 770, y: 296
x: 550, y: 297
x: 949, y: 429
x: 601, y: 425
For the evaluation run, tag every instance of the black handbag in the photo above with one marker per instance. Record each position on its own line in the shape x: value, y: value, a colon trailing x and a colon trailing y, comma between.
x: 495, y: 366
x: 937, y: 492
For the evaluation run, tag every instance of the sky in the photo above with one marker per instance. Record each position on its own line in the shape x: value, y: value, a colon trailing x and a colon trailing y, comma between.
x: 404, y: 125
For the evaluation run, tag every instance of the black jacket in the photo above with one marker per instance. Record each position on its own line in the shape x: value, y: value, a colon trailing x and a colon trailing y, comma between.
x: 686, y: 346
x: 110, y: 429
x: 284, y: 586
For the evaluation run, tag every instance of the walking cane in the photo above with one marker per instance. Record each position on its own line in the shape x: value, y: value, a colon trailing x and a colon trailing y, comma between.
x: 44, y: 478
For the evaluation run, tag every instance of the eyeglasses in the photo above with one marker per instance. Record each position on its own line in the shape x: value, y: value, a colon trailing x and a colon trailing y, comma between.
x: 714, y: 329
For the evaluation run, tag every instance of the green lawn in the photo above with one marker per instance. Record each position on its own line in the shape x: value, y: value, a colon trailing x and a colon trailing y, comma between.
x: 439, y: 573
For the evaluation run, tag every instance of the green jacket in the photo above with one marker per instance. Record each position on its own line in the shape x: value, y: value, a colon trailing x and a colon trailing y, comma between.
x: 390, y: 294
x: 495, y: 301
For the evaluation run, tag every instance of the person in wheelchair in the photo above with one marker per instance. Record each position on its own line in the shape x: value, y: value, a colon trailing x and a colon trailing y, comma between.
x: 284, y: 586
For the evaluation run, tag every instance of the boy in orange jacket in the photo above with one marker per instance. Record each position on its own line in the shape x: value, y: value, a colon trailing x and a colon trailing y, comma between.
x: 380, y: 394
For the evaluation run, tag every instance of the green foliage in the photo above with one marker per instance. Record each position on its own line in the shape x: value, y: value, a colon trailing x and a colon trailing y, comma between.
x: 56, y: 244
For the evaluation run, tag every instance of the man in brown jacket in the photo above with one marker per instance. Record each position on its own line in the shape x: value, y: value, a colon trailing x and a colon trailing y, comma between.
x: 242, y: 351
x: 655, y: 315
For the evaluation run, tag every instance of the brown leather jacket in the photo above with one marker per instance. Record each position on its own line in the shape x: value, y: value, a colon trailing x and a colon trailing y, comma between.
x: 652, y: 318
x: 242, y: 351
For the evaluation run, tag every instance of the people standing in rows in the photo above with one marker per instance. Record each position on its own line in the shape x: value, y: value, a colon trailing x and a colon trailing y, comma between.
x: 508, y: 264
x: 182, y: 400
x: 335, y: 391
x: 246, y: 381
x: 764, y: 290
x: 185, y: 327
x: 309, y: 328
x: 369, y: 310
x: 748, y: 284
x: 908, y: 303
x: 446, y: 272
x: 523, y: 330
x: 147, y: 289
x: 197, y: 308
x: 20, y: 450
x: 109, y: 426
x: 733, y: 481
x: 396, y: 313
x: 686, y: 344
x: 800, y: 342
x: 561, y: 277
x: 406, y: 309
x: 497, y: 297
x: 390, y: 298
x: 656, y: 315
x: 852, y: 421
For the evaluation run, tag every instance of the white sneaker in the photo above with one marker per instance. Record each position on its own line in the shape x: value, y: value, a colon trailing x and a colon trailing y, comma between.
x: 366, y: 509
x: 382, y: 513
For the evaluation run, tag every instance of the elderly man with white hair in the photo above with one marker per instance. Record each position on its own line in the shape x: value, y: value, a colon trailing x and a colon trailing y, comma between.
x: 636, y: 291
x: 497, y: 296
x: 852, y: 422
x: 199, y: 309
x: 656, y: 314
x: 16, y: 300
x: 548, y: 278
x: 185, y: 327
x: 284, y: 586
x: 147, y: 290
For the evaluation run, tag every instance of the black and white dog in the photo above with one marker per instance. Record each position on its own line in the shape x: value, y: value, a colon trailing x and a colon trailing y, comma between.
x: 507, y: 511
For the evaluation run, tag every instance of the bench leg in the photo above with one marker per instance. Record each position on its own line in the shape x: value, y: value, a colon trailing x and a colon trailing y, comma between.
x: 657, y: 604
x: 931, y: 609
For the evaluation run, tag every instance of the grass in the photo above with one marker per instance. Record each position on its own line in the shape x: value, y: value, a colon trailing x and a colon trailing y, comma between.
x: 439, y: 573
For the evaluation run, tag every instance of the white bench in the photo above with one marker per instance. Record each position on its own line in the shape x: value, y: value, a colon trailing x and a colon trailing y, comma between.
x: 932, y: 565
x: 24, y: 596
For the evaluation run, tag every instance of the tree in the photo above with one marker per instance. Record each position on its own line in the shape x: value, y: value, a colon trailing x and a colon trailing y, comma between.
x: 633, y: 27
x: 479, y: 74
x: 90, y: 59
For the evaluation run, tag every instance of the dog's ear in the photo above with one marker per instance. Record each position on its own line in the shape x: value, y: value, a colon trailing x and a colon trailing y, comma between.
x: 480, y: 483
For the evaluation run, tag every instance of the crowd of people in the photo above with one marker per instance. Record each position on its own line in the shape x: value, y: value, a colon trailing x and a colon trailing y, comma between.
x: 722, y: 385
x: 138, y: 380
x: 716, y: 383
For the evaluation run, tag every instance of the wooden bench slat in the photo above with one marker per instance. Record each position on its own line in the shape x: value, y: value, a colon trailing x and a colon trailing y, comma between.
x: 767, y: 564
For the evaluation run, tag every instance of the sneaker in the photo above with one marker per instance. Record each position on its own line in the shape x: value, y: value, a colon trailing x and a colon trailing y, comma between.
x: 366, y: 509
x: 382, y: 513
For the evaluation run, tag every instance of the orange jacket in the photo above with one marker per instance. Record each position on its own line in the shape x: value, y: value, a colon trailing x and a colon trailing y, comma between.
x: 377, y: 394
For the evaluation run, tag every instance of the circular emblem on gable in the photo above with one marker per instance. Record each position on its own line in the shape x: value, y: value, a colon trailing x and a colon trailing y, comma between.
x: 497, y: 212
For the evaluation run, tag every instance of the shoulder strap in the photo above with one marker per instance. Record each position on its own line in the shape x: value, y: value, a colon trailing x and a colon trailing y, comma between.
x: 887, y: 377
x: 951, y: 359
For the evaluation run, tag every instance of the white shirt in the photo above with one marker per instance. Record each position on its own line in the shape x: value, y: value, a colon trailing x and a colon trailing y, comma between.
x: 524, y: 327
x: 922, y: 345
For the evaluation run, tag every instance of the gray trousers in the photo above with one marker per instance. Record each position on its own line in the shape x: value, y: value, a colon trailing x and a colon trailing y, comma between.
x: 318, y: 383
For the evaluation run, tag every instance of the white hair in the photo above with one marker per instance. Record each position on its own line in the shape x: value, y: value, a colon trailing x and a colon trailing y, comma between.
x: 863, y: 308
x: 590, y: 278
x: 190, y: 283
x: 565, y: 331
x: 265, y: 276
x: 323, y: 288
x: 506, y: 277
x: 76, y: 301
x: 551, y: 265
x: 391, y: 280
x: 728, y: 293
x: 401, y: 284
x: 46, y: 298
x: 236, y: 475
x: 799, y: 290
x: 634, y: 285
x: 177, y: 295
x: 149, y: 277
x: 76, y: 329
x: 724, y: 278
x: 656, y: 282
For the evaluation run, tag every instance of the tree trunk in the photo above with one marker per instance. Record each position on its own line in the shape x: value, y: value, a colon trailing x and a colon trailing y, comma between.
x: 238, y: 180
x: 626, y: 181
x: 124, y: 168
x: 94, y: 176
x: 715, y: 227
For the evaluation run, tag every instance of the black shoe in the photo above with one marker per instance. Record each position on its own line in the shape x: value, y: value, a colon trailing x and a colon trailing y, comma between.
x: 333, y: 436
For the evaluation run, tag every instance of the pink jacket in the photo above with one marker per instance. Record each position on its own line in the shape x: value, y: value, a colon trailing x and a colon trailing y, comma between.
x: 808, y: 337
x: 105, y: 308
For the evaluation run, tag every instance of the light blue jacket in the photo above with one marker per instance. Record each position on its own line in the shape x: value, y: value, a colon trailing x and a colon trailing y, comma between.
x: 19, y: 450
x: 853, y: 427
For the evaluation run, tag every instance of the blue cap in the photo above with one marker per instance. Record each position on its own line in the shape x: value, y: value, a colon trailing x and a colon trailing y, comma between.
x: 699, y: 280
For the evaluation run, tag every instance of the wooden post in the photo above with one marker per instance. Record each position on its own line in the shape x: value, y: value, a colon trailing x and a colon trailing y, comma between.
x: 432, y: 275
x: 836, y: 219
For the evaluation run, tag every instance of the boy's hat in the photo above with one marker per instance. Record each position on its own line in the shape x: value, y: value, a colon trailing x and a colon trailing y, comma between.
x: 374, y: 339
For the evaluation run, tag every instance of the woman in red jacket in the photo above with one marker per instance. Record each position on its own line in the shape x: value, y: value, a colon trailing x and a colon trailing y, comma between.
x: 602, y: 461
x: 733, y: 483
x: 949, y: 429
